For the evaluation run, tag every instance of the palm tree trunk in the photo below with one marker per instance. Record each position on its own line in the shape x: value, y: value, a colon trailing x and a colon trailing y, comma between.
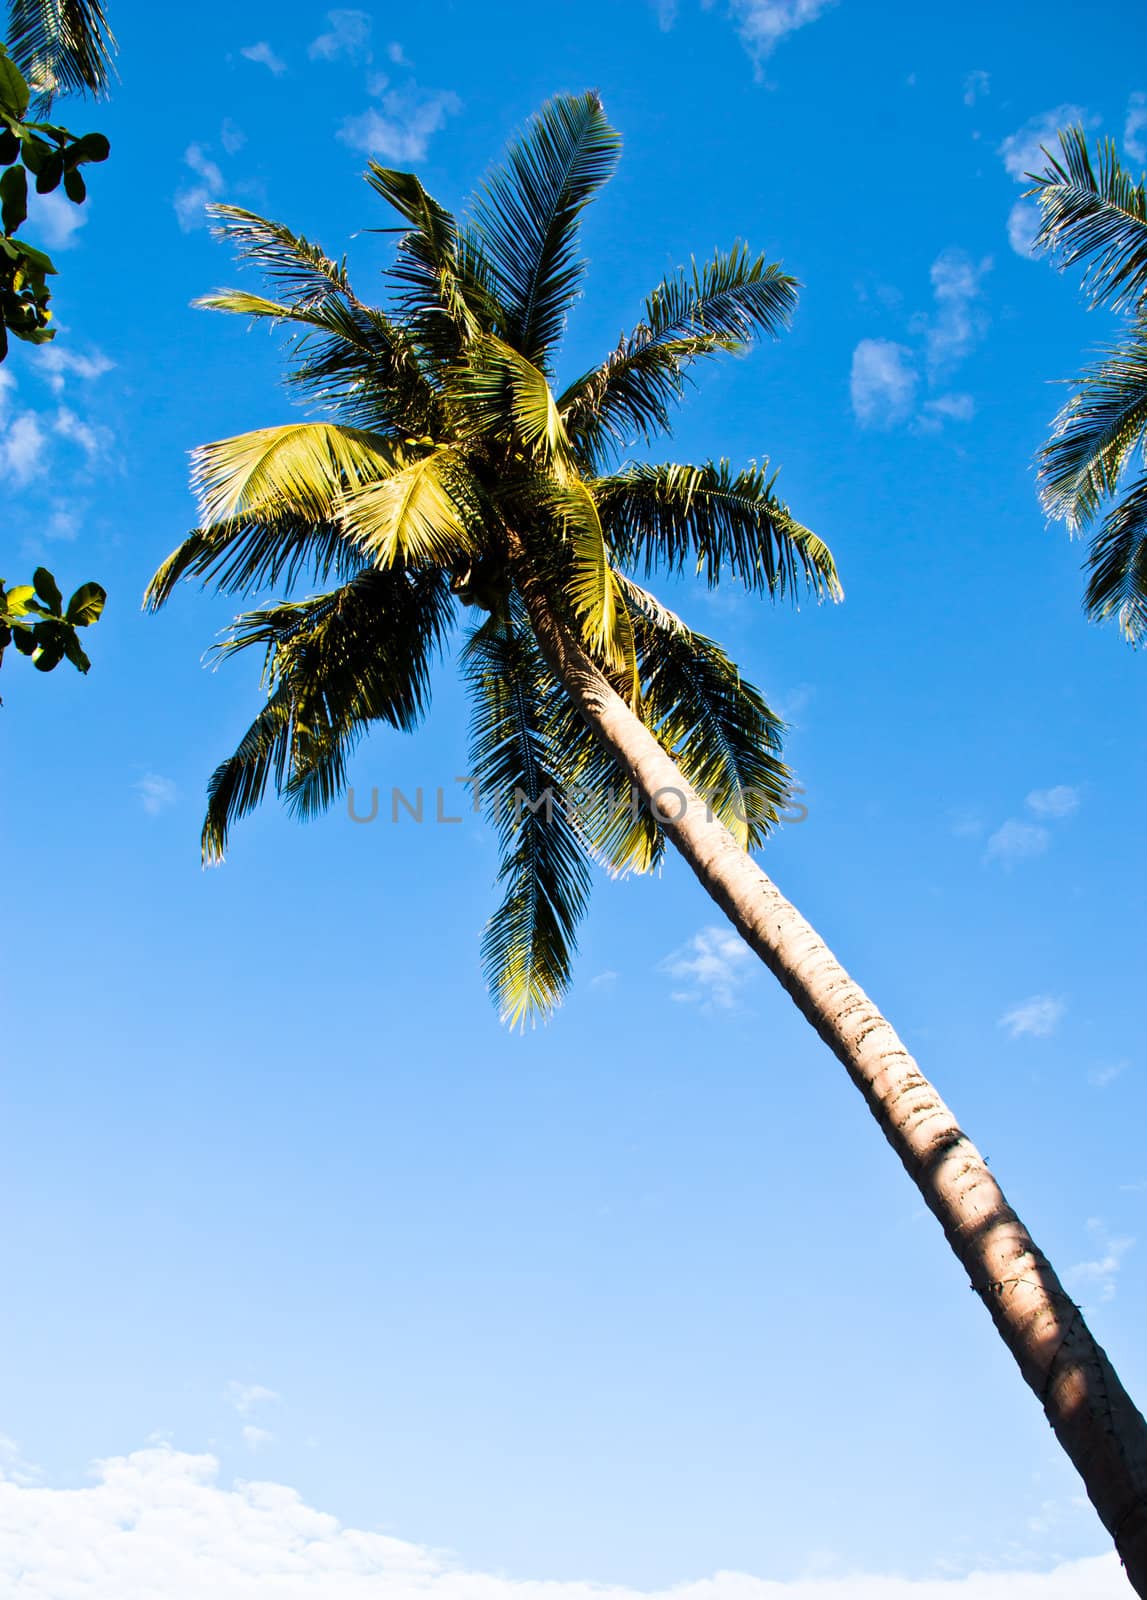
x: 1094, y: 1418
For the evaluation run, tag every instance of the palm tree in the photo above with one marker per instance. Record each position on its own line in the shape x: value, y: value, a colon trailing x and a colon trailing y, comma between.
x: 61, y: 46
x: 1096, y: 214
x: 449, y: 478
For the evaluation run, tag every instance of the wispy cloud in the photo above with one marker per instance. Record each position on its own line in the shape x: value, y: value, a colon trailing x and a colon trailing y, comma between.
x: 1038, y: 1018
x: 156, y: 793
x: 882, y: 384
x: 1135, y: 126
x: 255, y: 1438
x: 1062, y: 801
x: 159, y: 1521
x: 1103, y: 1077
x: 263, y: 56
x: 231, y: 137
x: 94, y: 440
x: 56, y: 220
x: 958, y: 322
x: 977, y: 85
x: 763, y: 24
x: 190, y: 201
x: 346, y: 38
x: 248, y: 1397
x: 712, y: 967
x: 400, y: 126
x: 1023, y: 152
x: 23, y: 449
x: 1101, y: 1270
x: 56, y: 362
x: 1016, y: 841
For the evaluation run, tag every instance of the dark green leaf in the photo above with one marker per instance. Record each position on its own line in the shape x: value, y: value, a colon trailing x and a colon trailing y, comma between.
x: 92, y: 147
x: 14, y: 95
x: 86, y: 604
x: 74, y: 651
x: 51, y: 642
x: 74, y: 186
x: 13, y: 198
x: 50, y: 173
x: 47, y: 590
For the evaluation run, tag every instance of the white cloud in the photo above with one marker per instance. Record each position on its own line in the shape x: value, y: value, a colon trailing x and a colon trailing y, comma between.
x: 56, y: 360
x: 264, y: 56
x: 762, y: 24
x: 1023, y: 151
x: 22, y: 449
x: 1023, y: 225
x: 54, y: 220
x: 947, y: 408
x: 93, y: 440
x: 952, y: 331
x: 401, y: 127
x: 603, y: 980
x: 348, y: 37
x: 396, y: 53
x: 156, y: 793
x: 255, y: 1438
x: 63, y: 524
x: 159, y: 1521
x: 1062, y: 801
x: 231, y: 136
x: 666, y: 14
x: 713, y: 965
x: 245, y: 1397
x: 976, y: 86
x: 1038, y: 1017
x: 190, y: 200
x: 1103, y: 1077
x: 1100, y: 1272
x: 1136, y: 124
x: 882, y: 384
x: 1017, y: 841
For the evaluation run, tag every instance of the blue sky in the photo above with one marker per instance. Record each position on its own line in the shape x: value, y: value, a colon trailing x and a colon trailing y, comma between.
x: 640, y: 1297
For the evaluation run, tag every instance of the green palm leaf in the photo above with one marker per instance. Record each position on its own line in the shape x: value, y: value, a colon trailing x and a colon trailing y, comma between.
x: 309, y: 467
x: 528, y: 211
x: 722, y: 522
x: 1096, y: 433
x: 61, y: 46
x: 1117, y: 563
x: 333, y: 665
x: 423, y: 513
x: 719, y: 308
x: 528, y: 946
x: 1097, y: 214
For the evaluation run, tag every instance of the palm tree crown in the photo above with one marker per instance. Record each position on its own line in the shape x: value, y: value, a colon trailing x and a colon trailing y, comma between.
x: 61, y: 46
x: 447, y: 474
x: 1095, y: 214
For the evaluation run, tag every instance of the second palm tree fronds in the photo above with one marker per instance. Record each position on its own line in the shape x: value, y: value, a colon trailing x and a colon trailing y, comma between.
x: 451, y: 475
x: 1094, y: 214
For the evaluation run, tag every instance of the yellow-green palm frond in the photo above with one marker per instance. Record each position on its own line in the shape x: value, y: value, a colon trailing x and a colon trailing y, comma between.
x: 497, y: 394
x: 427, y: 512
x: 529, y: 942
x: 528, y: 211
x: 308, y: 467
x: 593, y: 587
x: 724, y: 524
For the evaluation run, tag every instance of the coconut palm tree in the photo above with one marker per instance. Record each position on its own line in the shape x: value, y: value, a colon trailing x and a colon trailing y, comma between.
x: 1096, y: 214
x: 450, y: 477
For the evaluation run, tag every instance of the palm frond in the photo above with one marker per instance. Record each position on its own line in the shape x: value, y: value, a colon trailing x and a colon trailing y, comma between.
x: 498, y: 394
x: 593, y: 588
x: 333, y: 665
x: 275, y: 548
x: 528, y: 945
x: 308, y: 467
x: 725, y: 523
x: 347, y: 356
x: 426, y: 512
x: 527, y: 215
x: 444, y: 285
x: 714, y: 723
x: 1096, y: 433
x: 301, y: 270
x: 61, y: 46
x: 1117, y: 564
x: 717, y: 308
x: 1097, y: 214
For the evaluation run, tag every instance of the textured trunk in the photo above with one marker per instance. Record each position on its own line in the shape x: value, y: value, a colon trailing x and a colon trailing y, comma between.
x: 1094, y: 1418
